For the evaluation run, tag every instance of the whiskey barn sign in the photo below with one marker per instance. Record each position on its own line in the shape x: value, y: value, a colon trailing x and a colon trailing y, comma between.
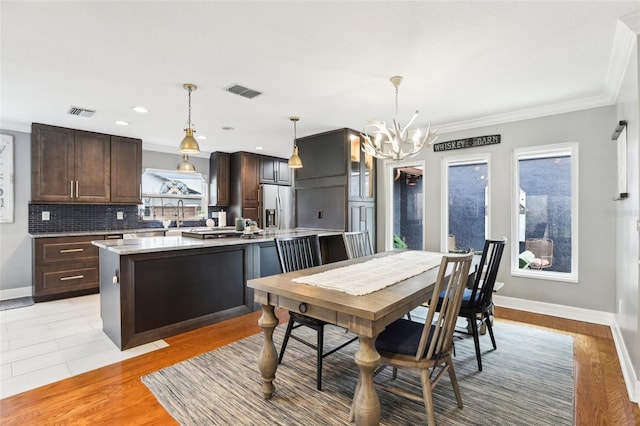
x: 466, y: 143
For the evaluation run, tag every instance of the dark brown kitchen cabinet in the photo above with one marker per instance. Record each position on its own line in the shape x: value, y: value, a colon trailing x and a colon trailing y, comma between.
x: 219, y: 168
x: 69, y: 165
x: 126, y: 170
x: 245, y: 185
x: 274, y: 171
x: 65, y: 267
x: 76, y: 166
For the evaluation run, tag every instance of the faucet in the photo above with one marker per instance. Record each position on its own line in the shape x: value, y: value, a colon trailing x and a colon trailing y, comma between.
x: 180, y: 220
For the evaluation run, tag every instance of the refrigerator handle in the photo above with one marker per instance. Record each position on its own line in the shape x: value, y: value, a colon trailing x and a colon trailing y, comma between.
x: 278, y: 210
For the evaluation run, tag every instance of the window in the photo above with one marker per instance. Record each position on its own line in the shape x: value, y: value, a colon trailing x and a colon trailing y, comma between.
x: 545, y: 212
x: 167, y: 194
x: 465, y: 203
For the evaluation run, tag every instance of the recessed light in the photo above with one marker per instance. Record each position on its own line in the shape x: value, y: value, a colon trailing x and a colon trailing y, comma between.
x: 259, y: 148
x: 140, y: 109
x: 201, y: 137
x: 122, y: 122
x: 228, y: 128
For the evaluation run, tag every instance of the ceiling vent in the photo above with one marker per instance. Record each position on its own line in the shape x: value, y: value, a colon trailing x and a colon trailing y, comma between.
x: 243, y: 91
x: 81, y: 112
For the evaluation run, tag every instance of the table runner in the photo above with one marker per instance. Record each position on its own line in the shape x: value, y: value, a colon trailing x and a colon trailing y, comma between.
x: 374, y: 274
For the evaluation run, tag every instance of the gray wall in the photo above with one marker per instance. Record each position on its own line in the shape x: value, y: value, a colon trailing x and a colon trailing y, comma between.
x: 15, y: 243
x: 591, y: 129
x: 627, y: 211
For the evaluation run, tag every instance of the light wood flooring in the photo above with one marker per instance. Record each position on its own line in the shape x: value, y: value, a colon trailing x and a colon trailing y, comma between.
x: 114, y: 395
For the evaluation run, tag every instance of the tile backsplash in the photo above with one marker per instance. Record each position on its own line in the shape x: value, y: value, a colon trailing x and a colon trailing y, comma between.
x: 89, y: 217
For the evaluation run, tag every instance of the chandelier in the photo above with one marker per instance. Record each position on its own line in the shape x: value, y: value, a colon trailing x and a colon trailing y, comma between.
x: 189, y: 145
x: 395, y: 142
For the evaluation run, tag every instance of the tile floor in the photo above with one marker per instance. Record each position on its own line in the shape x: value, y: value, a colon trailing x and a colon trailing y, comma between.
x: 51, y: 341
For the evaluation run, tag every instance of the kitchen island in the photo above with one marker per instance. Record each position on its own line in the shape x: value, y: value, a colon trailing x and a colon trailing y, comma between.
x: 155, y: 287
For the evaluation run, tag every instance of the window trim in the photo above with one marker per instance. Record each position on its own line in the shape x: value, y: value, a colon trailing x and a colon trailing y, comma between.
x: 460, y: 160
x: 545, y: 151
x: 389, y: 165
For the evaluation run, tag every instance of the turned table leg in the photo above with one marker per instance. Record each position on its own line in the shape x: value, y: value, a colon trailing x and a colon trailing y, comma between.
x: 366, y: 405
x: 268, y: 361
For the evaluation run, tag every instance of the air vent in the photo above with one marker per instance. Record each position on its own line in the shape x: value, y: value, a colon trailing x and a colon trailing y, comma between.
x: 81, y: 112
x: 243, y: 91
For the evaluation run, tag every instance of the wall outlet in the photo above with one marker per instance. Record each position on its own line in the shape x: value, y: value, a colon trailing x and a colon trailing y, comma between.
x: 46, y: 216
x: 120, y: 215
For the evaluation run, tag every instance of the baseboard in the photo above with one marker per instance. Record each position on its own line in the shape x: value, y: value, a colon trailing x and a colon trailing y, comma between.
x: 630, y: 379
x: 14, y: 293
x: 579, y: 314
x: 561, y: 311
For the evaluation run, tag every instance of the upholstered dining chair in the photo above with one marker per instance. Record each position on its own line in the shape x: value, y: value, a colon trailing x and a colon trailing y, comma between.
x: 357, y: 244
x: 427, y: 346
x: 295, y: 253
x: 477, y: 301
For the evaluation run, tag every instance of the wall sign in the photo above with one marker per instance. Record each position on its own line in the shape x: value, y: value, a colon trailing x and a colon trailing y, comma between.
x: 466, y: 143
x: 6, y: 178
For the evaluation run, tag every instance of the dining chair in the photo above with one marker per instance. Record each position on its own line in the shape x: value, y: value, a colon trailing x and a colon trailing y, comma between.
x: 295, y: 253
x: 357, y: 244
x: 427, y: 346
x: 477, y: 301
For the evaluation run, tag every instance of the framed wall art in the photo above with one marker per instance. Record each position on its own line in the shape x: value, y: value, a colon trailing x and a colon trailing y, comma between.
x: 620, y: 137
x: 6, y: 178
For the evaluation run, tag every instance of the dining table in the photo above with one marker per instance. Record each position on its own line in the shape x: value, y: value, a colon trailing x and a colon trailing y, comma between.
x: 362, y: 295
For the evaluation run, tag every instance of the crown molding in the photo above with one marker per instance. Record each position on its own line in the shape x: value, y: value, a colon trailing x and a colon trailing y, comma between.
x: 529, y: 113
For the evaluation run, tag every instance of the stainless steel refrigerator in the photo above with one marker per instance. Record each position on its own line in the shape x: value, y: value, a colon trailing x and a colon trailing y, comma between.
x: 276, y: 207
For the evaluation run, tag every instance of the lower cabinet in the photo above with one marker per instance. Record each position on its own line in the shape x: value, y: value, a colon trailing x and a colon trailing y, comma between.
x: 65, y: 267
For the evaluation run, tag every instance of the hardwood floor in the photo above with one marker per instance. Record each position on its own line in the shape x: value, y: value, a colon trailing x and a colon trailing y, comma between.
x: 115, y: 395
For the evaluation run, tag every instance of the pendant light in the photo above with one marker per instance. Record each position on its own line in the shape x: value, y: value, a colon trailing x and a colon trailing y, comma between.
x: 189, y: 145
x: 295, y: 162
x: 185, y: 165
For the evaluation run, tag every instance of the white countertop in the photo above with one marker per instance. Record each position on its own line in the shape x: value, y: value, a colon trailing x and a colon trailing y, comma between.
x: 159, y: 244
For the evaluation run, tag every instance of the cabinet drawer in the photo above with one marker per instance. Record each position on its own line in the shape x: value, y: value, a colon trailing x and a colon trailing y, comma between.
x: 55, y: 281
x: 324, y: 314
x: 65, y: 249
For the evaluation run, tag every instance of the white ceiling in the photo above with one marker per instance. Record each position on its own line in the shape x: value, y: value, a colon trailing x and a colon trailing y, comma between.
x: 327, y: 61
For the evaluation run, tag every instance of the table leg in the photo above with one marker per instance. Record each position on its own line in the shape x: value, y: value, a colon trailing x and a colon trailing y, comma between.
x: 366, y: 405
x: 268, y: 361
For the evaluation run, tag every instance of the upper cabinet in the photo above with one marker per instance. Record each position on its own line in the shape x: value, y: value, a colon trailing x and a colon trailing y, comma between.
x: 361, y: 167
x: 75, y: 166
x: 274, y: 171
x: 245, y: 183
x: 126, y: 170
x: 219, y: 168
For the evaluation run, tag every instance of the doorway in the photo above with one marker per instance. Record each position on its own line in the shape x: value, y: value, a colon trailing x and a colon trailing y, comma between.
x: 405, y: 210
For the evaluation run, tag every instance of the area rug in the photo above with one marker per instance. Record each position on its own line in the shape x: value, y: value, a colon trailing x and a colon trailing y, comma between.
x: 19, y: 302
x: 527, y: 380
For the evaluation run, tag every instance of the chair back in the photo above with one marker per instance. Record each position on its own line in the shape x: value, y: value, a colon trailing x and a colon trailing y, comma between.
x: 437, y: 335
x: 357, y: 244
x: 296, y: 253
x: 486, y: 273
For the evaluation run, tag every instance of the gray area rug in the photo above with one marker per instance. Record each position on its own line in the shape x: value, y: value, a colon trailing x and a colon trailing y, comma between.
x: 19, y: 302
x: 528, y: 380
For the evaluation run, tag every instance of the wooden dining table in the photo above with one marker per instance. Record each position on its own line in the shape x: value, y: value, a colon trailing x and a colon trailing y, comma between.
x: 364, y: 315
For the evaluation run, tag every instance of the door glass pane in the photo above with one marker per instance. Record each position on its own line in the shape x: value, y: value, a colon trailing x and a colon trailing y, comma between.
x: 355, y: 166
x: 467, y: 207
x: 408, y: 208
x: 368, y: 176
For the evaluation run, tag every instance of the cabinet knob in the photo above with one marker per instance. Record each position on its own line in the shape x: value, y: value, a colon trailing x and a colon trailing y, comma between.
x: 303, y: 308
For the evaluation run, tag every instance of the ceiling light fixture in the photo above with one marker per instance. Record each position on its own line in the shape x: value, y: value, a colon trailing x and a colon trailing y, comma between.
x: 140, y: 109
x: 395, y: 143
x: 189, y: 145
x: 295, y: 162
x: 185, y: 165
x: 122, y: 123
